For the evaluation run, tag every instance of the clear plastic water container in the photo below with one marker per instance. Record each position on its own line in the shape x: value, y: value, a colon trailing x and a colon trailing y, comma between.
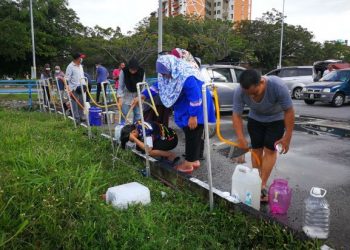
x: 246, y: 185
x: 131, y: 193
x: 316, y: 214
x: 280, y: 195
x: 117, y: 131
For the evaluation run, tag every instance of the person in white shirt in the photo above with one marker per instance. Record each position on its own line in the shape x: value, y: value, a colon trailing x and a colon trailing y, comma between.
x: 75, y: 77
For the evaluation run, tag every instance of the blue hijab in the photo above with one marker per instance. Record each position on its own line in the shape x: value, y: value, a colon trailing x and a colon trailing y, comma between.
x: 179, y: 70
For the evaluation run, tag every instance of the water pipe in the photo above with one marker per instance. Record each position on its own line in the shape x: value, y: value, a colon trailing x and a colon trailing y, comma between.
x: 61, y: 100
x: 207, y: 143
x: 138, y: 85
x: 218, y: 131
x: 85, y: 109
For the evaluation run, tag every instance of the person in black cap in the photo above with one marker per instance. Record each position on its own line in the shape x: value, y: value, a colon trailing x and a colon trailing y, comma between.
x: 128, y: 78
x: 75, y: 78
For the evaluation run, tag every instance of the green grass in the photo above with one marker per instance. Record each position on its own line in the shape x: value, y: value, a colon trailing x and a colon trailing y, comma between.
x: 17, y: 97
x: 51, y: 179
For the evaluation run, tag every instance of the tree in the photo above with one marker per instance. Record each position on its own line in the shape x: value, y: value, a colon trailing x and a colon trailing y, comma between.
x: 262, y: 36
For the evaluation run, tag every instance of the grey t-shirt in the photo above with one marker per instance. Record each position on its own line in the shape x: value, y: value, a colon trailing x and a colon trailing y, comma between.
x: 276, y: 100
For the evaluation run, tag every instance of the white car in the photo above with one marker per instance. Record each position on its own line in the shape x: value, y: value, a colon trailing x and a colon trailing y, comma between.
x: 296, y: 78
x: 225, y: 77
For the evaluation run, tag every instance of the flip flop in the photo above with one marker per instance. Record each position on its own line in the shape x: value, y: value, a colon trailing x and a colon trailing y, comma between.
x: 195, y: 167
x: 186, y: 171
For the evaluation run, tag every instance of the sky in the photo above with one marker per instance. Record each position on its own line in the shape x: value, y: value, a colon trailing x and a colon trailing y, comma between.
x: 326, y: 19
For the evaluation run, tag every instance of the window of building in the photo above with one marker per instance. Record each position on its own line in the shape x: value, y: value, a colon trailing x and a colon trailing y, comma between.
x: 218, y: 12
x: 219, y: 4
x: 231, y: 16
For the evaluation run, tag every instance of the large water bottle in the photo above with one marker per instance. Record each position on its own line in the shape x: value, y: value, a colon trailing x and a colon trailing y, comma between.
x: 316, y: 220
x: 246, y: 185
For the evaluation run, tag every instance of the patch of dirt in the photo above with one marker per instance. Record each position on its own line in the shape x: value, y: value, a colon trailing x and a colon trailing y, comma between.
x: 15, y: 104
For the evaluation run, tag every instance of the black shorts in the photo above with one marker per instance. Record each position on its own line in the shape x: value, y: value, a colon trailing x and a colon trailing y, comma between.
x: 265, y: 134
x: 165, y: 145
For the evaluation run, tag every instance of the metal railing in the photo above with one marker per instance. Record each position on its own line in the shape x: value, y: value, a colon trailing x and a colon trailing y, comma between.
x: 29, y: 87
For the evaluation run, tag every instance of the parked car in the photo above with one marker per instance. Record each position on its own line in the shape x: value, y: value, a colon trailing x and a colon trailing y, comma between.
x: 333, y: 88
x: 225, y: 77
x: 296, y: 78
x: 320, y: 67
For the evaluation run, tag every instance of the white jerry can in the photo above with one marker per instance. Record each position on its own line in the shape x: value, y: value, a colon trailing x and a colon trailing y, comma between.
x: 246, y: 185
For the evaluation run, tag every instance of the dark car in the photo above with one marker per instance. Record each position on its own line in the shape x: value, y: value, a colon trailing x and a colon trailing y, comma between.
x: 333, y: 88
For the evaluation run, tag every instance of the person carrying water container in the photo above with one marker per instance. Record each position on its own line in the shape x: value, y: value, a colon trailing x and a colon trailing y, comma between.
x: 101, y: 77
x: 159, y: 138
x: 128, y: 78
x: 180, y: 86
x: 270, y: 119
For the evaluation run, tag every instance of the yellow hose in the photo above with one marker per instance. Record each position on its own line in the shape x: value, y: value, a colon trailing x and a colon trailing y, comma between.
x: 218, y: 131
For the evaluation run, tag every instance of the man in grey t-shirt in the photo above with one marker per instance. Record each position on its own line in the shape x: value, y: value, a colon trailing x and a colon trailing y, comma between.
x: 270, y: 119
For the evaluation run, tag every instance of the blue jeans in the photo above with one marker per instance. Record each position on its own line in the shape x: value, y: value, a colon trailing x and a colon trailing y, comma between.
x: 77, y: 111
x: 136, y: 111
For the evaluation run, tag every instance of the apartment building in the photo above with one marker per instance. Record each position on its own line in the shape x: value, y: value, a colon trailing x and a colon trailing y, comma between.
x: 233, y: 10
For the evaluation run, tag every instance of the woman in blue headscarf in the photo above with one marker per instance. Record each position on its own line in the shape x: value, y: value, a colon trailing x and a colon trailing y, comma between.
x: 180, y: 86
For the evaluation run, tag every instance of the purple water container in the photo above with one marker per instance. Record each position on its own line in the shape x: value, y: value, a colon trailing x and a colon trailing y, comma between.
x: 280, y: 195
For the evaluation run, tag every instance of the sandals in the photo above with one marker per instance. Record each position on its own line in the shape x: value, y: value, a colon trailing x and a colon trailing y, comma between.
x: 264, y: 197
x: 186, y: 171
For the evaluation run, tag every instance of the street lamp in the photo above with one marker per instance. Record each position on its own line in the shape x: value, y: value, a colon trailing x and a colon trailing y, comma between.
x: 160, y: 26
x: 280, y: 61
x: 33, y: 42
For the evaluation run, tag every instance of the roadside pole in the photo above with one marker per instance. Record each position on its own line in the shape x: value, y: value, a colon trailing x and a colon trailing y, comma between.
x: 33, y: 71
x: 160, y: 27
x: 207, y: 144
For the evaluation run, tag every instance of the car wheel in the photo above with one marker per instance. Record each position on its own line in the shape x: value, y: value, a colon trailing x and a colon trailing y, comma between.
x: 309, y: 102
x: 297, y: 93
x: 338, y: 100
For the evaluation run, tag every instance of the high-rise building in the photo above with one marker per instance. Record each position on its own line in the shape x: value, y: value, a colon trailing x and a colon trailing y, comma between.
x: 233, y: 10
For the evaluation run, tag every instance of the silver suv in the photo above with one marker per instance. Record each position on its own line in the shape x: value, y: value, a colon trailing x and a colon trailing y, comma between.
x: 225, y: 77
x: 296, y: 78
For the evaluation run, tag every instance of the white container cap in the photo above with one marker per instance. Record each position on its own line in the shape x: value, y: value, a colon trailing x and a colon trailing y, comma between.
x: 317, y: 192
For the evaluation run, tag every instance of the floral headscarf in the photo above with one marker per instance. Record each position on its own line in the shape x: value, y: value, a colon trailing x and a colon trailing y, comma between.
x: 170, y: 88
x: 185, y: 55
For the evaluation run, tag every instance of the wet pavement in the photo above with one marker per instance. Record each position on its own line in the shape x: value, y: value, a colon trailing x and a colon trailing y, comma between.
x: 314, y: 159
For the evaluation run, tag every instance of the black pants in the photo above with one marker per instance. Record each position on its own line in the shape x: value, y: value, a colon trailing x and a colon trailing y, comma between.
x: 193, y: 142
x: 99, y: 88
x: 46, y: 94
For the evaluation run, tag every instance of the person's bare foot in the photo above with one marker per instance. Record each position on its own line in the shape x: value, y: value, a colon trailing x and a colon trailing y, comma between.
x: 185, y: 167
x: 196, y: 165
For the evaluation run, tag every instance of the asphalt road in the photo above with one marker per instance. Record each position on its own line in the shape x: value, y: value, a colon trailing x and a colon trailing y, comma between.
x: 313, y: 160
x: 322, y: 110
